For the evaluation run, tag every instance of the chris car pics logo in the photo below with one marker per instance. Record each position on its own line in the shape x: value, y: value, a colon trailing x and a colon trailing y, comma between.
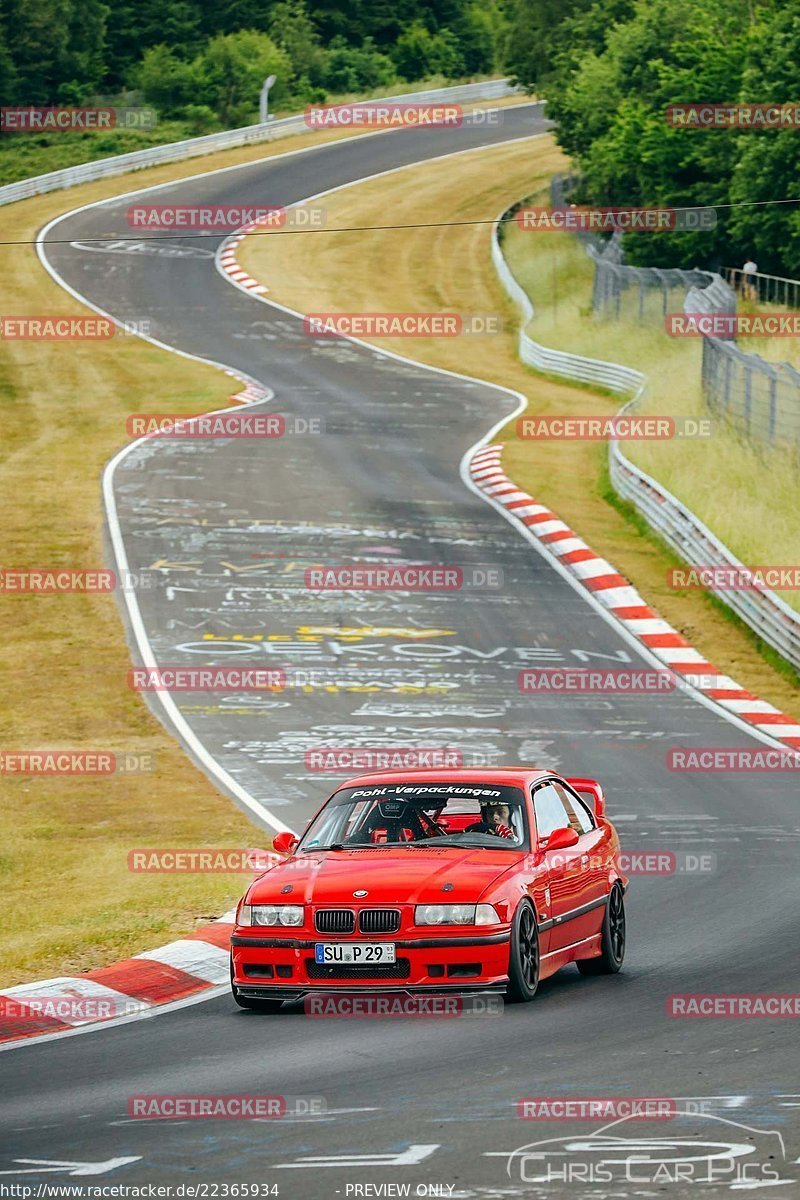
x: 720, y: 1154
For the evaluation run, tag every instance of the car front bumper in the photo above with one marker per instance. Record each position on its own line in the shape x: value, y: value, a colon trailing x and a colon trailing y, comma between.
x: 284, y: 967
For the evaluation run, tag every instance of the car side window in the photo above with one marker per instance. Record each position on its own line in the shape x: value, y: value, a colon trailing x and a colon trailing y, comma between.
x: 579, y: 816
x: 549, y: 810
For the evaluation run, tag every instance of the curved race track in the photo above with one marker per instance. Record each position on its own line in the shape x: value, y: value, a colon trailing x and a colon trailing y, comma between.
x: 384, y: 480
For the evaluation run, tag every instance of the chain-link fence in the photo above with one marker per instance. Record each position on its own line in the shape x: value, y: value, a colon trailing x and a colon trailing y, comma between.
x: 775, y: 290
x: 645, y: 293
x: 641, y: 293
x: 765, y: 612
x: 759, y: 398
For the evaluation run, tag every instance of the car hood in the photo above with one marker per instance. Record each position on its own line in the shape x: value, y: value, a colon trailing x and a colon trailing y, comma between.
x: 389, y: 876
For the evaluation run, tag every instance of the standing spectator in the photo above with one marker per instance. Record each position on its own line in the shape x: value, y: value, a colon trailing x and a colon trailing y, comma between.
x: 749, y: 272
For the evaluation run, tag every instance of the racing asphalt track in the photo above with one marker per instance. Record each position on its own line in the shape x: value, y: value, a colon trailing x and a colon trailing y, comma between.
x: 384, y: 480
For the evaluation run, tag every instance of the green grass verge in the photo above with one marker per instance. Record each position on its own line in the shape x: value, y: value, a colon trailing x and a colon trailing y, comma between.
x: 747, y: 495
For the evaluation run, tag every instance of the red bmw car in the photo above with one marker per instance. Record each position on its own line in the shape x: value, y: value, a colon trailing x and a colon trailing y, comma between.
x: 428, y: 880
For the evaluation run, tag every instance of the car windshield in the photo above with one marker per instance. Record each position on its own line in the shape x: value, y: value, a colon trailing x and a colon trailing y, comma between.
x: 413, y: 814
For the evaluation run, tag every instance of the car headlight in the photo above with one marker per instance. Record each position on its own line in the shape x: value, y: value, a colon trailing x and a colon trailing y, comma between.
x: 271, y: 914
x: 455, y: 914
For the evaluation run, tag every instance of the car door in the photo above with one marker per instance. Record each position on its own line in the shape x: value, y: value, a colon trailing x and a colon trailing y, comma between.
x: 593, y: 845
x: 568, y: 886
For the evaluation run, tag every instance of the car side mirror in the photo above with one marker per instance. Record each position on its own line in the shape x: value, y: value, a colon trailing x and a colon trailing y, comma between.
x: 284, y: 842
x: 562, y: 839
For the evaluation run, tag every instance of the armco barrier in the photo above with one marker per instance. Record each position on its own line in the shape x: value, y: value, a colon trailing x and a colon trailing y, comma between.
x: 558, y: 362
x: 769, y: 616
x: 764, y: 612
x: 119, y: 164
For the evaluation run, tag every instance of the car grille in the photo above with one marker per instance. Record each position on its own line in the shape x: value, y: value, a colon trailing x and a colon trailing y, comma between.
x: 379, y: 920
x: 335, y: 920
x: 396, y: 970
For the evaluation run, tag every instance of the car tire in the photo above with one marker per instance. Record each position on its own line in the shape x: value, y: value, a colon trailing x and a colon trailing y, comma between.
x: 612, y: 946
x: 259, y: 1005
x: 523, y: 959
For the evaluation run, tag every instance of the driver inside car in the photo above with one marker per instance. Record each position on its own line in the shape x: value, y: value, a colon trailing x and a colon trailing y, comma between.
x: 495, y: 819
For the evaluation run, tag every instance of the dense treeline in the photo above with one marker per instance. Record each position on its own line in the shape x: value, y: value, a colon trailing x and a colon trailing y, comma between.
x: 207, y: 59
x: 610, y: 68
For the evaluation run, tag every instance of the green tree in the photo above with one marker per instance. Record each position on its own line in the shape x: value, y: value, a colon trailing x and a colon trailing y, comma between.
x: 768, y: 166
x: 40, y: 39
x: 166, y: 81
x: 611, y: 111
x: 357, y: 68
x: 479, y: 32
x: 531, y: 44
x: 232, y: 69
x: 419, y: 53
x: 9, y: 80
x: 51, y: 51
x: 84, y: 66
x: 382, y: 20
x: 291, y: 28
x: 134, y: 26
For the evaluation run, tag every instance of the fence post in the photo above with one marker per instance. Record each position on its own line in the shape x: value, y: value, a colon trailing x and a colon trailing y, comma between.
x: 727, y: 383
x: 773, y: 407
x: 748, y: 398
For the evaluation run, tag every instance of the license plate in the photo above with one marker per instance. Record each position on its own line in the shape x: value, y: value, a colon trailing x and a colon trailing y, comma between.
x: 356, y: 953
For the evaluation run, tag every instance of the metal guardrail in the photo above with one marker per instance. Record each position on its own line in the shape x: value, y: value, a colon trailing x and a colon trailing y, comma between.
x: 629, y: 292
x: 763, y: 611
x: 769, y: 616
x: 767, y: 289
x: 621, y: 290
x: 558, y: 362
x: 137, y: 160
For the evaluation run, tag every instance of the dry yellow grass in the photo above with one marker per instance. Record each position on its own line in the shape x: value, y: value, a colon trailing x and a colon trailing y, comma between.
x: 69, y: 902
x: 449, y: 268
x: 747, y: 495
